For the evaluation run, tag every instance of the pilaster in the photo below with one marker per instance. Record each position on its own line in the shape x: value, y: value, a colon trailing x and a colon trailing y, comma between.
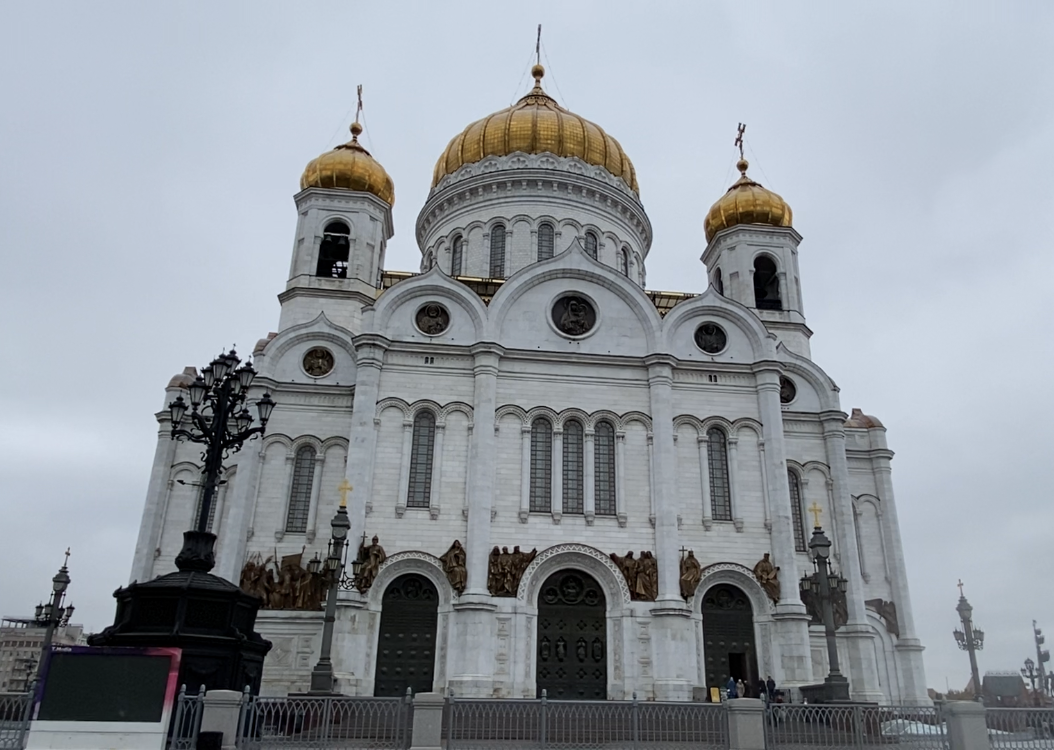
x: 154, y: 510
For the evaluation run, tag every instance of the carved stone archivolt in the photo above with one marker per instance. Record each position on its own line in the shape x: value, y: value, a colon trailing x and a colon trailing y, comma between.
x: 641, y: 574
x: 590, y: 559
x: 505, y: 569
x: 768, y: 576
x: 286, y: 585
x: 455, y: 566
x: 888, y: 612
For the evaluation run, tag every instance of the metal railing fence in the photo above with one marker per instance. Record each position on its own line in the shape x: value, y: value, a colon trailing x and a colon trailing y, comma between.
x: 186, y: 719
x: 14, y: 720
x: 1020, y: 728
x: 583, y: 725
x: 326, y: 722
x: 797, y: 727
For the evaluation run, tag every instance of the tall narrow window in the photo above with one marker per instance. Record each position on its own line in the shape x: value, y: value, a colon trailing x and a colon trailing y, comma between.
x: 591, y: 244
x: 572, y: 468
x: 541, y: 465
x: 212, y: 508
x: 456, y: 253
x: 333, y: 252
x: 799, y: 526
x: 546, y: 241
x: 419, y: 494
x: 300, y: 492
x: 623, y: 261
x: 720, y: 492
x: 719, y: 282
x: 497, y: 251
x: 766, y: 284
x: 604, y: 469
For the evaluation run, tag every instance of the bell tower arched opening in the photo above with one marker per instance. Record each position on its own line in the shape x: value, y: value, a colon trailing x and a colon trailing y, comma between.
x: 334, y: 250
x: 766, y: 284
x: 572, y: 637
x: 728, y: 637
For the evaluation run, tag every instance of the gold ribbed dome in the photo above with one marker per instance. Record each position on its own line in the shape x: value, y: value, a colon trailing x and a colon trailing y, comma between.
x: 536, y: 124
x: 746, y: 202
x: 349, y: 167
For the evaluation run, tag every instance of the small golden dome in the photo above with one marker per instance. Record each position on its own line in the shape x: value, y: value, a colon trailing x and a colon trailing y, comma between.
x: 349, y: 167
x: 536, y: 124
x: 746, y: 202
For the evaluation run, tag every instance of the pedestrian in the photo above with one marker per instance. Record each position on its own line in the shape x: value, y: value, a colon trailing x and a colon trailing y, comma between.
x: 759, y: 689
x: 770, y: 687
x: 741, y: 689
x: 730, y: 688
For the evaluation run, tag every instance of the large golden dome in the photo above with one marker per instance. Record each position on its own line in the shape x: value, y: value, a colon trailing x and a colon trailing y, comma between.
x: 746, y: 202
x: 349, y: 167
x: 536, y: 124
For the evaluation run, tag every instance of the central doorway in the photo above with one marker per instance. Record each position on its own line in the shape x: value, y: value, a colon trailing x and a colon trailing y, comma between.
x: 728, y: 638
x: 406, y: 652
x: 572, y: 638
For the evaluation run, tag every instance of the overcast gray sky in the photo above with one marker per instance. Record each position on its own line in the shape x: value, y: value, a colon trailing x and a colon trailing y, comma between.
x: 149, y: 153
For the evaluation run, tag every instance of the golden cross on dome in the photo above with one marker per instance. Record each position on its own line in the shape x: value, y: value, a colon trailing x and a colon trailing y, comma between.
x: 960, y: 587
x: 538, y: 47
x: 64, y: 562
x: 816, y: 511
x: 344, y: 488
x: 358, y: 108
x: 739, y: 138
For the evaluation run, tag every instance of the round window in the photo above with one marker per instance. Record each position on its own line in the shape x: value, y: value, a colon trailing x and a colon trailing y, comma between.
x: 318, y: 362
x: 574, y: 315
x: 711, y: 338
x: 787, y: 390
x: 432, y: 319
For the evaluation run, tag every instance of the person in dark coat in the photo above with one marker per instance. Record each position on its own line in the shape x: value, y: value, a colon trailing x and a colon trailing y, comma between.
x: 730, y: 687
x: 770, y: 687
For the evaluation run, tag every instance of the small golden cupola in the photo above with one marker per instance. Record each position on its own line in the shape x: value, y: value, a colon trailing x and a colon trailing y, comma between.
x: 349, y: 167
x: 536, y: 124
x: 746, y: 202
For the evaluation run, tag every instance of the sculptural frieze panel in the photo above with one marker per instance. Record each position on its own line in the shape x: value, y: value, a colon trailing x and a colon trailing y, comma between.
x: 888, y: 612
x: 768, y: 576
x: 505, y: 569
x: 286, y: 585
x: 455, y: 566
x: 641, y: 574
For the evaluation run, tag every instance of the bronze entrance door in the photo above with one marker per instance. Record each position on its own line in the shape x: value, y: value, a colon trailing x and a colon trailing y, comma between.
x: 406, y: 644
x: 572, y: 638
x: 728, y: 638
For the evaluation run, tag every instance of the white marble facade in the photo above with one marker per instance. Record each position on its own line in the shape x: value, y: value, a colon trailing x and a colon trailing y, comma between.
x: 501, y: 362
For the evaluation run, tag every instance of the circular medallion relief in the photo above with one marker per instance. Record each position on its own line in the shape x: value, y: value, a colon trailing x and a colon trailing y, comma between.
x: 574, y: 315
x: 787, y: 390
x: 318, y: 362
x: 432, y: 319
x: 711, y: 338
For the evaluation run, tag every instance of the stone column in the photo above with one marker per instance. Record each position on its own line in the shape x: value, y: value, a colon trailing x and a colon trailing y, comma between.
x: 733, y: 481
x: 437, y: 472
x: 154, y: 511
x: 287, y: 495
x: 704, y: 476
x: 230, y: 555
x: 558, y: 474
x: 525, y: 473
x: 863, y: 671
x: 316, y: 496
x: 589, y: 477
x: 620, y: 481
x: 673, y: 640
x: 765, y: 487
x: 794, y: 667
x: 404, y: 467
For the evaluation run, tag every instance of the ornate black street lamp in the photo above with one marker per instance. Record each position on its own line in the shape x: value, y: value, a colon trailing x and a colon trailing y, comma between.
x: 53, y: 614
x: 969, y: 639
x: 220, y: 421
x: 332, y: 570
x: 1042, y: 656
x: 823, y: 584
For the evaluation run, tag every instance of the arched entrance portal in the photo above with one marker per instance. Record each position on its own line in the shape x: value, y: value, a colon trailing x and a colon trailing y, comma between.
x: 728, y: 637
x: 572, y: 637
x: 406, y: 644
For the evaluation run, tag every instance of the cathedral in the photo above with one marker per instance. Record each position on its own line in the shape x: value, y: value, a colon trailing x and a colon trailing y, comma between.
x: 557, y: 478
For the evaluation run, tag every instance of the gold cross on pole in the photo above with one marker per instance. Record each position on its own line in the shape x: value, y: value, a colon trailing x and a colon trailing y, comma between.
x: 538, y: 47
x: 344, y: 488
x: 358, y: 108
x: 739, y: 138
x: 66, y: 561
x: 816, y: 511
x: 960, y: 587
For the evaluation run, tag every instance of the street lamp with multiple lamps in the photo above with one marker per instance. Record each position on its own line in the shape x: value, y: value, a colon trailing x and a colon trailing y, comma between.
x: 1042, y: 656
x: 969, y: 639
x: 823, y: 584
x: 53, y: 614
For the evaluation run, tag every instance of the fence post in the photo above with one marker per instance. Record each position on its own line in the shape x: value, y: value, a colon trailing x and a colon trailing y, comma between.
x: 635, y: 720
x: 858, y: 725
x: 746, y: 723
x: 221, y: 712
x: 966, y: 726
x: 428, y: 721
x: 543, y: 729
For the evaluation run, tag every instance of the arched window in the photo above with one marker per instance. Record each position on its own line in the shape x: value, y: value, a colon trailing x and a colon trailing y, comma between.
x: 497, y: 251
x: 719, y: 282
x: 456, y: 253
x: 623, y: 261
x: 546, y: 241
x: 794, y: 482
x: 604, y: 468
x: 717, y: 458
x: 572, y: 469
x: 541, y: 465
x: 212, y: 508
x: 333, y: 252
x: 419, y: 493
x: 300, y: 491
x: 591, y: 244
x: 766, y: 284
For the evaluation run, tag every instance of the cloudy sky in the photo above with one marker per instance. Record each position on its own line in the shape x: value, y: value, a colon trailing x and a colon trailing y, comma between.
x: 149, y: 154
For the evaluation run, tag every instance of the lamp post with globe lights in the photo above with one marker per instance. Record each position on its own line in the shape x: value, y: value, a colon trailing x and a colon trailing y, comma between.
x: 53, y: 614
x: 969, y: 639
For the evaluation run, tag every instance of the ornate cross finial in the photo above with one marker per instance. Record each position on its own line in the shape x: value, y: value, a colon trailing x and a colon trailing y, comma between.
x: 344, y: 488
x: 684, y: 551
x: 538, y: 47
x: 739, y: 138
x: 960, y: 587
x: 64, y: 562
x: 816, y: 511
x: 358, y: 108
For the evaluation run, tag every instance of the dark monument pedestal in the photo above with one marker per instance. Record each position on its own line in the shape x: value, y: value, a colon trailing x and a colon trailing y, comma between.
x: 206, y: 616
x: 831, y: 690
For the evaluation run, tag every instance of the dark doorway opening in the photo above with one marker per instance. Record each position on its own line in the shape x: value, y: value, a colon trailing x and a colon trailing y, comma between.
x: 406, y: 643
x: 728, y: 638
x: 572, y: 638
